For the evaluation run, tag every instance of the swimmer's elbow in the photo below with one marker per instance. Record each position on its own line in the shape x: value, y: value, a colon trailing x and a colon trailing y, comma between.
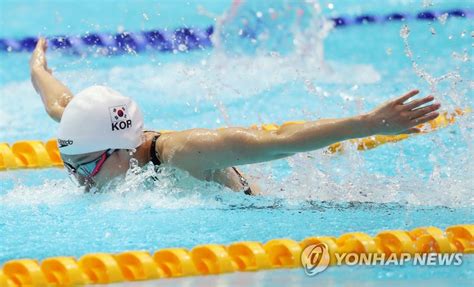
x: 56, y: 109
x: 55, y: 112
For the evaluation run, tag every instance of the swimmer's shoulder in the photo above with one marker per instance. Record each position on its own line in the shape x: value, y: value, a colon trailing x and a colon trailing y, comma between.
x: 157, y: 142
x: 173, y: 147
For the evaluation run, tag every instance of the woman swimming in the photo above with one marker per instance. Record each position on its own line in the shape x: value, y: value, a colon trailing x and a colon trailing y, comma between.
x: 98, y: 127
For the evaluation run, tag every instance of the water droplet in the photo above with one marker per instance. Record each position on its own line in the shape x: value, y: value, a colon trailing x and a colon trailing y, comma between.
x: 146, y: 16
x: 389, y: 51
x: 330, y: 6
x: 442, y: 18
x: 259, y: 14
x: 182, y: 47
x: 464, y: 57
x: 427, y: 3
x: 274, y: 54
x: 405, y: 32
x: 317, y: 8
x: 433, y: 31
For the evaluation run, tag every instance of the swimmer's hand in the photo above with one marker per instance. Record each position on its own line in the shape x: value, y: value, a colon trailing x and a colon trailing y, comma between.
x: 399, y: 116
x: 38, y: 58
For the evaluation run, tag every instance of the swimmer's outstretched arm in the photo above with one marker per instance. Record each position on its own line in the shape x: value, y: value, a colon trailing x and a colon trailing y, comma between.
x: 55, y: 95
x: 201, y: 149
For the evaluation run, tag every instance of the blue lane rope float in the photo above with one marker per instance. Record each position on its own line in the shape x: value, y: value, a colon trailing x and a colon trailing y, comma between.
x: 426, y: 15
x: 179, y: 40
x: 187, y: 39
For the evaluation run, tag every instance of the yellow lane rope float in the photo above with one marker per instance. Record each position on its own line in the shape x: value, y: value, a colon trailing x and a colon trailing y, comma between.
x: 104, y: 268
x: 36, y: 154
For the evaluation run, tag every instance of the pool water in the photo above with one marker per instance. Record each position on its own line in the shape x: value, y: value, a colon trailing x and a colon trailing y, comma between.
x: 425, y: 180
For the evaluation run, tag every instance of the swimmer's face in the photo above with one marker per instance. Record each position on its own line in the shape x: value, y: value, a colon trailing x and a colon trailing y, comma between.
x: 116, y: 164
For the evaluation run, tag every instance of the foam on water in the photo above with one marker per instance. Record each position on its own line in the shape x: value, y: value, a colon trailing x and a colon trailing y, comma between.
x: 50, y: 192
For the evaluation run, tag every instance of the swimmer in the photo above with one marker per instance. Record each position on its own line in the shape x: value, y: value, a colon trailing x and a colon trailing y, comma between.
x: 98, y: 127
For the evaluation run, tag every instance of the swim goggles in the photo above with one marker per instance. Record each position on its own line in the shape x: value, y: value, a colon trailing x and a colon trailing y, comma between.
x: 91, y: 168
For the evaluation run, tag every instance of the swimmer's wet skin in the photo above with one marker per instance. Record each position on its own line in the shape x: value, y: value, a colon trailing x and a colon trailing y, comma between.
x: 98, y: 127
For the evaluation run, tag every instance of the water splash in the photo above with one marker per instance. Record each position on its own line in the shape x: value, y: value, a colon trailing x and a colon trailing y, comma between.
x: 251, y: 27
x: 433, y: 82
x: 285, y: 40
x: 427, y: 3
x: 50, y: 192
x: 447, y: 170
x: 443, y: 18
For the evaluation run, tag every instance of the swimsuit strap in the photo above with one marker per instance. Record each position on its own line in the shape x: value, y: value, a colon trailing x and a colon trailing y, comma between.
x: 247, y: 190
x: 153, y: 156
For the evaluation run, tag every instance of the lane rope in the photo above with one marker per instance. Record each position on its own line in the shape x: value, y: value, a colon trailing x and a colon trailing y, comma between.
x: 186, y: 39
x: 105, y: 268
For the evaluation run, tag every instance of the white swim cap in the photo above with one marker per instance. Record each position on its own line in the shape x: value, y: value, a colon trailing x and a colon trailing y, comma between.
x: 99, y: 118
